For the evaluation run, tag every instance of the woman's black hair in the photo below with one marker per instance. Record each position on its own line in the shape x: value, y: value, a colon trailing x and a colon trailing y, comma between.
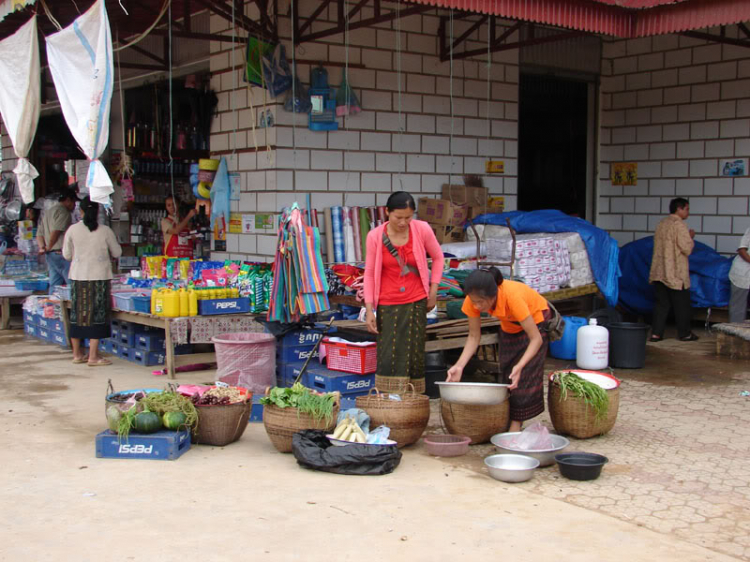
x: 483, y: 282
x: 400, y: 200
x: 90, y: 214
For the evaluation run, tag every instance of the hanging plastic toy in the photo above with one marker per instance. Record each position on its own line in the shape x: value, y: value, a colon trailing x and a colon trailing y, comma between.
x: 323, y: 102
x: 346, y: 100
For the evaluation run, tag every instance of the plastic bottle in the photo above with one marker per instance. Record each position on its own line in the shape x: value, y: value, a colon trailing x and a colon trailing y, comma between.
x: 171, y: 303
x: 592, y: 346
x: 184, y: 302
x: 154, y: 297
x: 192, y: 303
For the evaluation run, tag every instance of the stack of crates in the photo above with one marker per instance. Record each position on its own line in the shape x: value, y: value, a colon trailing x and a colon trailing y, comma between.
x: 322, y: 379
x: 140, y: 344
x: 51, y: 330
x: 292, y: 350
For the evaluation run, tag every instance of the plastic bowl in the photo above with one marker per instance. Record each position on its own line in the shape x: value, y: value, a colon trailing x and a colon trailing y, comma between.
x: 546, y: 457
x: 581, y: 466
x: 447, y: 445
x: 511, y: 468
x: 473, y: 393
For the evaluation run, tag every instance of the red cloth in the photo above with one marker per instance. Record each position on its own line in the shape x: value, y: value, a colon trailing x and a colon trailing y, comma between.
x: 391, y: 280
x: 178, y: 245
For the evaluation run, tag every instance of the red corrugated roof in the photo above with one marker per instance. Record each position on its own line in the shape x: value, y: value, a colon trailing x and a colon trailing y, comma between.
x: 621, y: 18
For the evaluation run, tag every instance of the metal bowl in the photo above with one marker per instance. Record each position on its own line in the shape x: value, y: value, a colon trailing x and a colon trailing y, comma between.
x: 511, y: 468
x: 546, y: 457
x: 473, y: 393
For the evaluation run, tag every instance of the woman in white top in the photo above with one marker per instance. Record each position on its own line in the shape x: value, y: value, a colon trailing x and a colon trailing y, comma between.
x: 90, y: 247
x: 739, y: 279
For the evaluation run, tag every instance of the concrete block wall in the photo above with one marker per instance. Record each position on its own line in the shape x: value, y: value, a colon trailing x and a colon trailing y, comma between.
x: 677, y: 106
x: 396, y: 142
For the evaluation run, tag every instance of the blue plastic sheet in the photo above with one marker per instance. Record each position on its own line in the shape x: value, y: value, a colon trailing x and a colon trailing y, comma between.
x: 601, y: 247
x: 709, y: 276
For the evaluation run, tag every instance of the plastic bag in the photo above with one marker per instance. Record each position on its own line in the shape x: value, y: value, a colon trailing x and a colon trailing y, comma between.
x: 297, y: 98
x: 346, y: 100
x: 533, y: 438
x: 312, y: 450
x: 276, y: 72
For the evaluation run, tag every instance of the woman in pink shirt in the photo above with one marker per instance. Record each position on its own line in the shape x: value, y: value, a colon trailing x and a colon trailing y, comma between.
x: 399, y: 291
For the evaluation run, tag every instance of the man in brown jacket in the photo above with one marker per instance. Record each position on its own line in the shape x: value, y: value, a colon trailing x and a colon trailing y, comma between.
x: 670, y: 274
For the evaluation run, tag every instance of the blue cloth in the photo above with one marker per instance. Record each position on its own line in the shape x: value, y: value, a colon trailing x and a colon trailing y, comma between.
x: 337, y: 225
x: 221, y: 191
x: 601, y: 247
x: 58, y: 268
x: 709, y: 276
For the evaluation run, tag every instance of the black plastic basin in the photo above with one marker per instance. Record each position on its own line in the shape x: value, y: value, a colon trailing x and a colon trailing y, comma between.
x: 581, y: 466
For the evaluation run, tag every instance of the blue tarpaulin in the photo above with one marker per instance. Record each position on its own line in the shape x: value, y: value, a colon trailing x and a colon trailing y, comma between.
x: 709, y: 276
x: 601, y: 247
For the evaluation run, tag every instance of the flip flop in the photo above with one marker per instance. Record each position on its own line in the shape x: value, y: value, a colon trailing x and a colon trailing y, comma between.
x: 655, y: 339
x: 80, y: 361
x: 100, y: 363
x: 691, y: 337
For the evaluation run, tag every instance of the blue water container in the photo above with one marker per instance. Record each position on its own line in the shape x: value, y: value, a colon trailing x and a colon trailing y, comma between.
x: 565, y: 347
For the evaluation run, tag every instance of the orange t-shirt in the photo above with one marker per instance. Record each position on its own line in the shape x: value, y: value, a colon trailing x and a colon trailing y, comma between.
x: 515, y: 302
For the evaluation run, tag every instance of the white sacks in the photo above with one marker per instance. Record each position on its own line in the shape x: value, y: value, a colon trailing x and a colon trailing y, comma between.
x: 80, y: 60
x: 19, y: 99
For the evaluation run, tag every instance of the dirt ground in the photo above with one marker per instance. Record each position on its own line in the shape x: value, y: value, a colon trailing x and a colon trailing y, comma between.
x: 676, y: 488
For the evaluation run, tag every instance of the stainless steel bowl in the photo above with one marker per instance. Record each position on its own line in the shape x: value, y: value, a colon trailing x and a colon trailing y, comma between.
x: 546, y: 457
x: 473, y: 393
x: 511, y: 468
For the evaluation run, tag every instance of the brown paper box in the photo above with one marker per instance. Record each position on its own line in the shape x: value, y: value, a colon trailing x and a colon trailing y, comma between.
x: 463, y: 195
x: 441, y: 212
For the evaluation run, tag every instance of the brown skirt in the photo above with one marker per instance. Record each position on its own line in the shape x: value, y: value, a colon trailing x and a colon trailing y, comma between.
x: 91, y: 310
x: 526, y: 401
x: 401, y: 336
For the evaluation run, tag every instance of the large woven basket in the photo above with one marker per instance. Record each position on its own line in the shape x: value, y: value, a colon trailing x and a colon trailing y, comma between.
x: 221, y: 425
x: 574, y: 417
x: 407, y: 418
x: 479, y: 423
x: 282, y: 423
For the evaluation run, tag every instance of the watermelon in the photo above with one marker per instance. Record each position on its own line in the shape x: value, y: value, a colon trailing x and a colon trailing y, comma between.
x: 146, y: 422
x: 174, y: 420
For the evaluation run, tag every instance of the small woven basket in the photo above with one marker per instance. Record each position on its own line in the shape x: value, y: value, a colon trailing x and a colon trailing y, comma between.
x: 282, y: 423
x: 407, y: 418
x: 399, y: 385
x: 222, y: 424
x: 574, y: 417
x: 479, y: 423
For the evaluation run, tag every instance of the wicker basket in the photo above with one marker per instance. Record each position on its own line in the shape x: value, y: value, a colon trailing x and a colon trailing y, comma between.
x: 407, y: 418
x: 479, y: 423
x: 399, y: 385
x: 282, y: 423
x: 220, y: 425
x: 574, y: 417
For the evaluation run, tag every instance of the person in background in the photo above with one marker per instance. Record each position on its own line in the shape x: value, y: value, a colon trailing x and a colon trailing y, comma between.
x: 50, y: 234
x: 399, y: 291
x: 739, y: 281
x: 90, y: 247
x: 524, y: 316
x: 177, y: 243
x: 670, y: 272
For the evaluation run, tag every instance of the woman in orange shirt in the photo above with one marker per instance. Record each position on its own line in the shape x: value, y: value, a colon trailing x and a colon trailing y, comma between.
x: 524, y: 316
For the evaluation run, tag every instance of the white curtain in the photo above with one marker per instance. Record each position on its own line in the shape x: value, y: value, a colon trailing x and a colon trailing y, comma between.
x: 19, y: 99
x: 80, y: 59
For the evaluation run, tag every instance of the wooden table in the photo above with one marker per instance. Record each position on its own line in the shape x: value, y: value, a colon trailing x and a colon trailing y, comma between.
x: 7, y: 299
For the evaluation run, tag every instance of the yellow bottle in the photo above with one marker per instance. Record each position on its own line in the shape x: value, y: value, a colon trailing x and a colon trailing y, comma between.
x: 192, y: 303
x: 184, y: 302
x: 171, y: 303
x: 154, y: 296
x: 222, y: 293
x: 234, y: 292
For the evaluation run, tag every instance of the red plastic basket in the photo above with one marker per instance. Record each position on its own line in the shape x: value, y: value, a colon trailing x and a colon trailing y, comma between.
x: 348, y: 358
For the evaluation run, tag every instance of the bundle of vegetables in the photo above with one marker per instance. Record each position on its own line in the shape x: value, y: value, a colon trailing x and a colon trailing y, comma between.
x: 220, y: 396
x: 155, y: 410
x: 591, y: 393
x: 348, y: 430
x: 318, y: 405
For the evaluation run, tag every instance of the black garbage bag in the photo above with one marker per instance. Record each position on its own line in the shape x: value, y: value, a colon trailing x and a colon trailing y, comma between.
x: 312, y: 450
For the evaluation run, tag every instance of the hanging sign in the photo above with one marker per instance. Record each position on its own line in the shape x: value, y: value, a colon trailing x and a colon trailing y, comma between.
x: 494, y: 167
x: 234, y: 184
x: 235, y: 223
x: 625, y: 173
x: 248, y: 224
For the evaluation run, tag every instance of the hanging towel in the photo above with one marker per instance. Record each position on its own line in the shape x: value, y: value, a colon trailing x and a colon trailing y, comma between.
x: 329, y: 236
x: 357, y: 234
x: 339, y: 251
x: 364, y: 229
x: 373, y: 217
x: 381, y: 215
x: 348, y: 235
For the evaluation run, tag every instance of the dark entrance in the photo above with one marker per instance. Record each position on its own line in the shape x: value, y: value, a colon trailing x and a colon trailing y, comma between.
x: 552, y: 144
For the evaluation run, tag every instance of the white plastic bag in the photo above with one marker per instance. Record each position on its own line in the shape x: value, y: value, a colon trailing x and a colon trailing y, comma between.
x: 533, y: 438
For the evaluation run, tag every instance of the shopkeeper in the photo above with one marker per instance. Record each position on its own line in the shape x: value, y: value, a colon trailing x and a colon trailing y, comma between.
x: 523, y: 315
x: 51, y: 233
x: 177, y: 241
x: 399, y: 290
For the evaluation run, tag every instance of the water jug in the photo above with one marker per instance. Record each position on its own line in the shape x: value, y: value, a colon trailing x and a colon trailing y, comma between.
x: 184, y: 302
x: 192, y: 303
x: 171, y: 300
x: 592, y: 347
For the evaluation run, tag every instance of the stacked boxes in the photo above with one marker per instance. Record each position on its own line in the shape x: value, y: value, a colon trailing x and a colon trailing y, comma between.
x: 293, y: 348
x: 49, y: 330
x: 542, y: 261
x: 322, y: 379
x: 458, y: 203
x: 140, y: 344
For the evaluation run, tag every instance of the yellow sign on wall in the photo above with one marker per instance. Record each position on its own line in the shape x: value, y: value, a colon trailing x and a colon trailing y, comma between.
x: 625, y: 173
x: 235, y: 223
x: 494, y: 167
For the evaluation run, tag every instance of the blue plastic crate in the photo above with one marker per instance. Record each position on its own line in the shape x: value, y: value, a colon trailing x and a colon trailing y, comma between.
x: 114, y: 332
x: 162, y: 445
x: 133, y: 328
x: 29, y: 317
x: 43, y: 333
x: 142, y: 304
x: 58, y: 338
x: 256, y: 412
x: 294, y: 354
x: 43, y: 322
x: 123, y: 351
x: 31, y: 330
x: 114, y: 347
x: 224, y: 306
x: 31, y: 285
x: 324, y: 380
x: 350, y: 400
x: 146, y: 358
x: 150, y: 341
x: 127, y: 338
x: 300, y: 338
x: 105, y: 345
x: 56, y: 325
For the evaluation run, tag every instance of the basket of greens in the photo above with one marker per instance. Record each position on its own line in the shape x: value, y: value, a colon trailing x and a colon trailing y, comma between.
x: 289, y: 410
x: 583, y: 403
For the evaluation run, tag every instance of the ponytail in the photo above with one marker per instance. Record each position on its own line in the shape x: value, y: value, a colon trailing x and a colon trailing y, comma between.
x: 90, y: 214
x: 483, y: 282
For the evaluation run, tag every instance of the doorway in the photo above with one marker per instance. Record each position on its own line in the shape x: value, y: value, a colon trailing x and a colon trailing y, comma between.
x: 554, y: 145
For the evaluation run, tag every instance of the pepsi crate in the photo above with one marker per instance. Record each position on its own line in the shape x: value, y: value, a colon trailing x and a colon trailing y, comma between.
x: 133, y: 328
x: 146, y: 358
x: 114, y: 347
x: 105, y: 345
x: 150, y: 341
x: 43, y: 333
x: 256, y: 412
x: 300, y: 338
x: 294, y: 354
x: 349, y: 401
x: 123, y: 351
x: 321, y: 379
x: 115, y: 332
x: 126, y: 338
x: 29, y: 317
x: 31, y: 330
x: 56, y: 325
x: 43, y: 322
x: 162, y: 445
x: 224, y: 306
x: 58, y: 338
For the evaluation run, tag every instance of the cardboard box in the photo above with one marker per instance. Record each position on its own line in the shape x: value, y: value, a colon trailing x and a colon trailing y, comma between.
x: 446, y: 234
x: 441, y: 212
x: 463, y: 195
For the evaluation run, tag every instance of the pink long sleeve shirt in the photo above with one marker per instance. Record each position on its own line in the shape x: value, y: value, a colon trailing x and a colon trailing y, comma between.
x: 424, y: 242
